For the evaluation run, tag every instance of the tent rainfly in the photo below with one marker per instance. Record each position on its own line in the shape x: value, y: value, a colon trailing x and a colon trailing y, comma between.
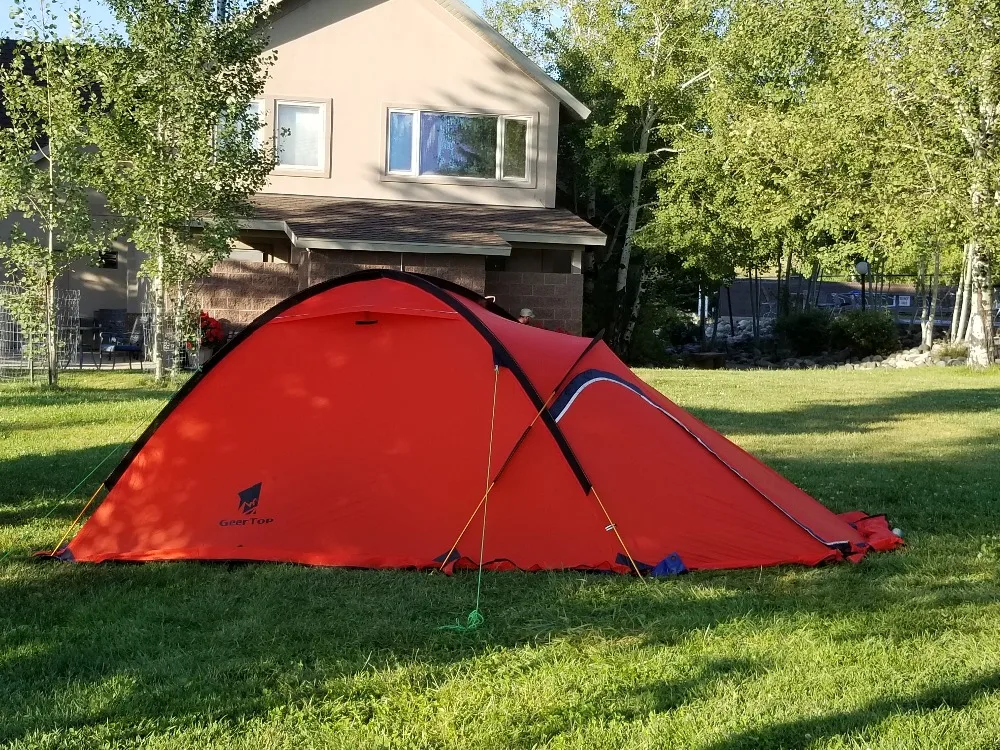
x: 374, y: 420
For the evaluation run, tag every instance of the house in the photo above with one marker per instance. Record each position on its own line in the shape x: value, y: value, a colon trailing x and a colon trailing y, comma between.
x: 412, y: 136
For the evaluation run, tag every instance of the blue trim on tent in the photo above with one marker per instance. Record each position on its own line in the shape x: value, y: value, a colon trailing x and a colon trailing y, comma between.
x: 581, y: 381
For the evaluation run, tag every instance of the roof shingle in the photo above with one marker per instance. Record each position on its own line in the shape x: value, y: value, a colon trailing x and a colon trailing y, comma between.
x: 348, y: 219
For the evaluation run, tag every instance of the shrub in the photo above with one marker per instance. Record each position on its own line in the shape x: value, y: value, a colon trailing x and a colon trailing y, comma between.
x: 865, y: 333
x: 957, y: 350
x: 805, y: 332
x: 658, y: 327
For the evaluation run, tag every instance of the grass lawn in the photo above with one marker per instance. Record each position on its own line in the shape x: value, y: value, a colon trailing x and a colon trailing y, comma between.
x: 901, y: 651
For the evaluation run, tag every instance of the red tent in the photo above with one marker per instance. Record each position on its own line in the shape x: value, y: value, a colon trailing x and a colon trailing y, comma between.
x: 373, y: 420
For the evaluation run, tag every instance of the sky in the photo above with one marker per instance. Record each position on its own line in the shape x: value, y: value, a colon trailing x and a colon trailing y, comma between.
x: 99, y: 15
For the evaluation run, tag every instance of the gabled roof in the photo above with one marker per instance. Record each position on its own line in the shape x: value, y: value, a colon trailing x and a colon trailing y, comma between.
x: 498, y: 41
x: 495, y: 39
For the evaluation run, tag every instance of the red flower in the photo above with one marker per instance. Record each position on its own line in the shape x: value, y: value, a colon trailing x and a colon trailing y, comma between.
x: 211, y: 329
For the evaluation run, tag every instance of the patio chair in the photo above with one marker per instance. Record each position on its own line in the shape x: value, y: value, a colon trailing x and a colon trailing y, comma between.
x: 114, y: 337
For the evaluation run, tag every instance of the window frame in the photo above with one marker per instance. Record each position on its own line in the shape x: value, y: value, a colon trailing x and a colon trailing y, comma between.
x: 273, y: 114
x: 497, y: 180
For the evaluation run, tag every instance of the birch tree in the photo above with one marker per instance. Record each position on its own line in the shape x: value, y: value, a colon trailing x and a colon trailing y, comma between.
x: 48, y: 165
x: 181, y: 150
x: 650, y: 53
x: 947, y: 63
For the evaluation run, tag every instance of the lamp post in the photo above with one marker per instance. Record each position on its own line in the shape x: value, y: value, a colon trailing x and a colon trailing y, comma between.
x: 863, y: 269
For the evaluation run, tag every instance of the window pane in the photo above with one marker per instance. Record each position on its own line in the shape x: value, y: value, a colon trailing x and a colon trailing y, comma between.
x: 461, y: 145
x: 400, y: 141
x: 515, y: 148
x: 300, y: 135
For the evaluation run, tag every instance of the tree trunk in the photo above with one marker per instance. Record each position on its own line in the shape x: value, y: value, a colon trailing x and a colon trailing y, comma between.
x: 715, y: 319
x: 981, y: 312
x: 785, y: 306
x: 927, y: 339
x: 963, y: 316
x: 922, y: 291
x: 778, y: 308
x: 621, y: 286
x: 754, y: 303
x: 180, y: 326
x: 959, y: 296
x: 633, y: 316
x: 729, y: 304
x: 159, y: 313
x: 51, y: 340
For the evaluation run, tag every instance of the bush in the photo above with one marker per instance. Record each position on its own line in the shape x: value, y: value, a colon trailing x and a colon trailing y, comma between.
x: 658, y: 327
x: 865, y: 333
x: 805, y: 332
x: 958, y: 350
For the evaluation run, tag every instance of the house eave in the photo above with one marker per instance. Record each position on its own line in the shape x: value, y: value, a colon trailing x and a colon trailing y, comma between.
x: 554, y: 238
x: 326, y: 243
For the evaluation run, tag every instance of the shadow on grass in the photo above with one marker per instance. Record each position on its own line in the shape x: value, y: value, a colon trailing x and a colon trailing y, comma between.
x: 35, y: 485
x: 159, y: 647
x: 794, y: 734
x: 842, y: 417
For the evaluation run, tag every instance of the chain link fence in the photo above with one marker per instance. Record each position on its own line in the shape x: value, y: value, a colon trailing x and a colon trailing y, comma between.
x: 22, y: 349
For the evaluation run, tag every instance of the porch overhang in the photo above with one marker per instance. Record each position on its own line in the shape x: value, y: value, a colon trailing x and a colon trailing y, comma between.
x: 318, y: 223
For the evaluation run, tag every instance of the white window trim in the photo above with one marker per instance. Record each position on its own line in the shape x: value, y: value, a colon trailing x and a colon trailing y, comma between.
x: 498, y: 178
x: 324, y: 161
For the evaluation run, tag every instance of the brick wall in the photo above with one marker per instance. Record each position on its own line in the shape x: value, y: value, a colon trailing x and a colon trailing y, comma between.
x: 467, y: 270
x: 240, y: 290
x: 555, y: 298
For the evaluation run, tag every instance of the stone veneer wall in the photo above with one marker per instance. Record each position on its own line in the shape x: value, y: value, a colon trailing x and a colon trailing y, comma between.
x: 240, y: 290
x: 555, y: 298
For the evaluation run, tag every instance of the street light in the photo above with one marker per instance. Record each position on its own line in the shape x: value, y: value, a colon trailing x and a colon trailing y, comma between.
x: 863, y: 270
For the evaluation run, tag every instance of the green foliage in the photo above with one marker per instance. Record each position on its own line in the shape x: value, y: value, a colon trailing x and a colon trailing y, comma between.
x: 805, y: 332
x: 659, y: 327
x: 48, y: 166
x: 865, y: 333
x: 179, y: 150
x: 956, y: 350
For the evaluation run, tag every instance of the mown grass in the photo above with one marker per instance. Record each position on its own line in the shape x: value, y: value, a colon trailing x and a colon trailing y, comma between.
x: 901, y: 651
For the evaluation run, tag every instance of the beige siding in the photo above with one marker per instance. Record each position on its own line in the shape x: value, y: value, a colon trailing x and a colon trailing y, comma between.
x: 364, y: 56
x: 113, y: 288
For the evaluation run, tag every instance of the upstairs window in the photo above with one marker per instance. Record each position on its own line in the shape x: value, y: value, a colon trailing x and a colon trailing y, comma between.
x: 489, y: 147
x: 300, y: 134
